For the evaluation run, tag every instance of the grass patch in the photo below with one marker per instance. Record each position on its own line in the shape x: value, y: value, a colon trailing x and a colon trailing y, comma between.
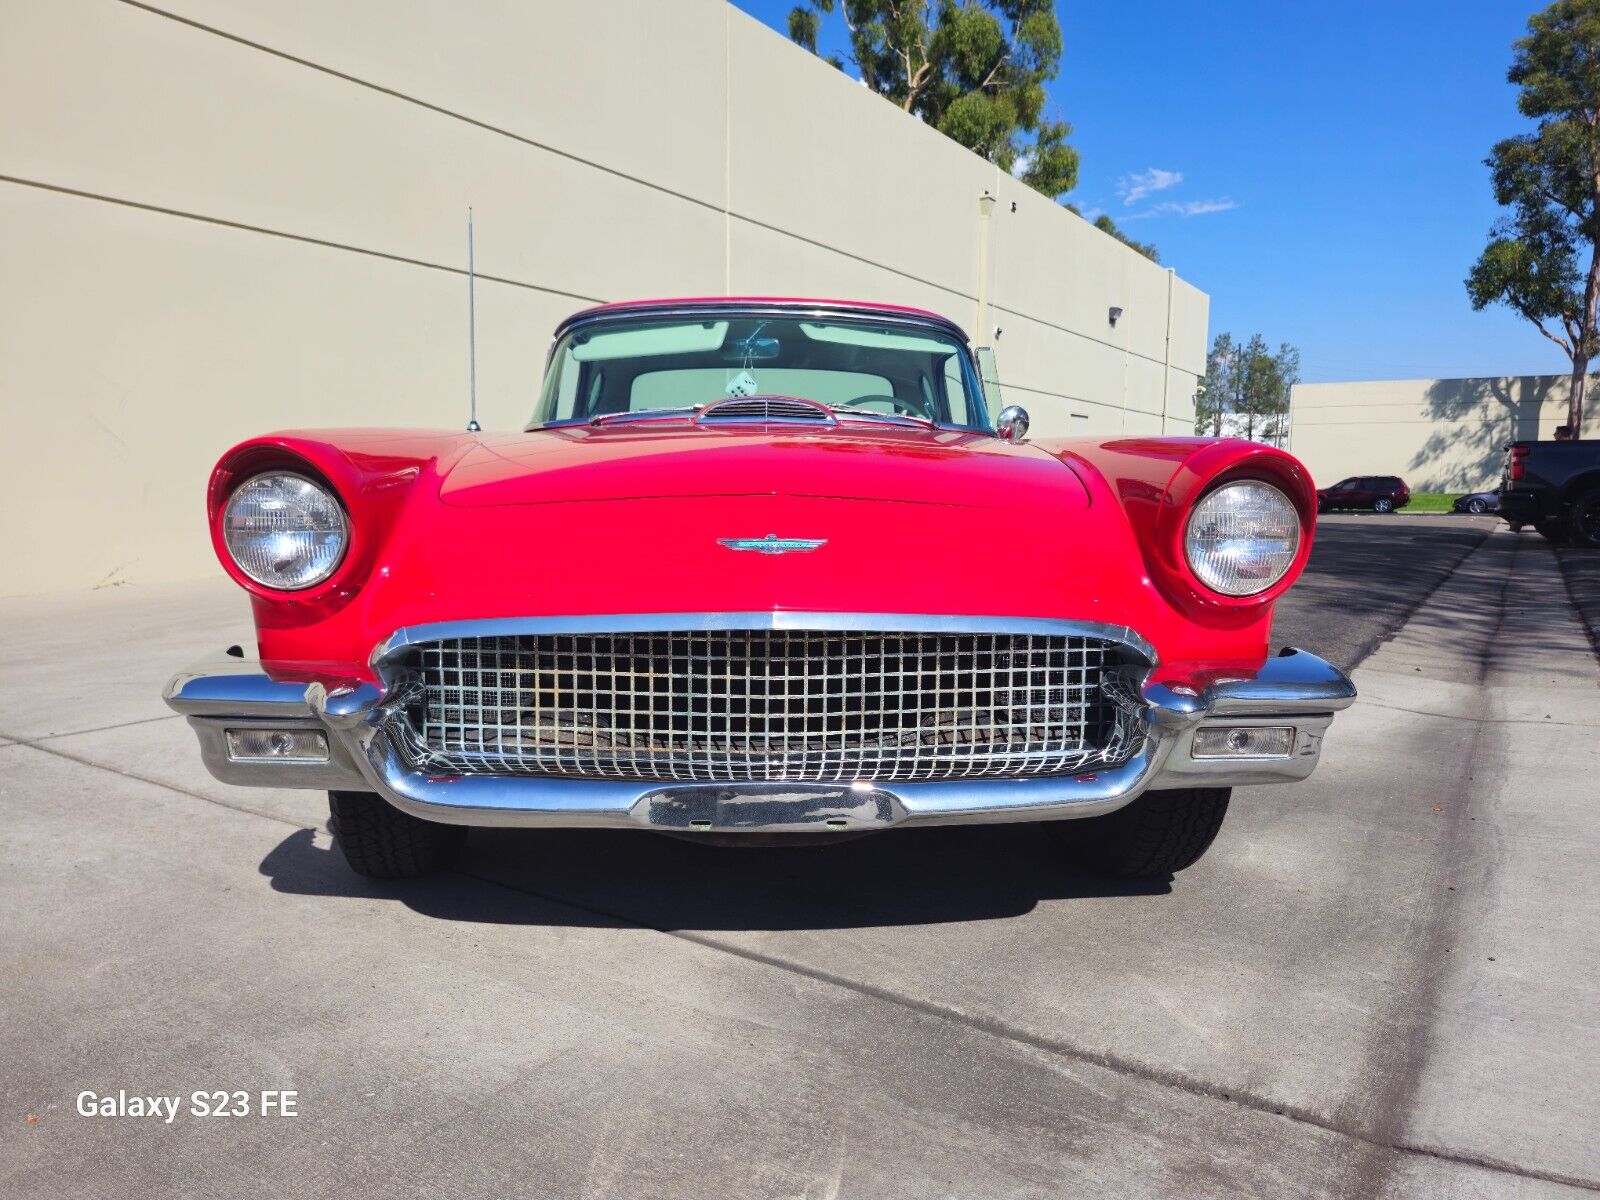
x: 1432, y: 501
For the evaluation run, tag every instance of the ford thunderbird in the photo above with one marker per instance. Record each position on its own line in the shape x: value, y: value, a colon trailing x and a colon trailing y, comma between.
x: 762, y: 570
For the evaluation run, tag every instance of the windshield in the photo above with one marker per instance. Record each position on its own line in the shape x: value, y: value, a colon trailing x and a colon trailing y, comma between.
x: 649, y: 364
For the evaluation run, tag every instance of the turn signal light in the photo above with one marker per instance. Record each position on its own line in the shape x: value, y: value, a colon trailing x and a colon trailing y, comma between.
x: 277, y: 745
x: 1243, y: 741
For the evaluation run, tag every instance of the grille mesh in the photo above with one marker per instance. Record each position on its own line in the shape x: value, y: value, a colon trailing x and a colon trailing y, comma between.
x: 765, y: 408
x: 749, y: 705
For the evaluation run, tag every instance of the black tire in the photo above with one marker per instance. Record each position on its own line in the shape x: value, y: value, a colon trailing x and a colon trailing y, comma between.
x: 1158, y: 834
x: 381, y: 842
x: 1477, y: 506
x: 1586, y: 520
x: 1382, y: 505
x: 1553, y: 531
x: 1515, y: 526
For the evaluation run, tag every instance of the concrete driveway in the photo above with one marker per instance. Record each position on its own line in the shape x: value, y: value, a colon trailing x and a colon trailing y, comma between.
x: 1381, y: 982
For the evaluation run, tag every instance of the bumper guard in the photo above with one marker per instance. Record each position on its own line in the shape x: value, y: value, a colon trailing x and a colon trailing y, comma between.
x: 1295, y: 689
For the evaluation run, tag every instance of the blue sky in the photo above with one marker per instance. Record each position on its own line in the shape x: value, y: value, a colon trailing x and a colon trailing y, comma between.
x: 1332, y: 189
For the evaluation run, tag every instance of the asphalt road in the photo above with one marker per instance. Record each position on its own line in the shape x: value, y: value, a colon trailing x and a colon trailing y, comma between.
x: 1367, y: 574
x: 1379, y: 982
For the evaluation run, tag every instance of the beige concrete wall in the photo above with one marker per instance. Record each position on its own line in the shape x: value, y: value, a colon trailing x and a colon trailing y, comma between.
x: 1439, y: 435
x: 219, y: 217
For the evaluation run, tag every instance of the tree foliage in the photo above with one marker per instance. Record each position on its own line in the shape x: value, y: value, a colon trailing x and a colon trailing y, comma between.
x: 1105, y: 224
x: 1245, y: 390
x: 1543, y: 256
x: 975, y: 70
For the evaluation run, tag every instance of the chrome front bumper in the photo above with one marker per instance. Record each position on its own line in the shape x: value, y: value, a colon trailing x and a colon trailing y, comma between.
x: 1295, y: 689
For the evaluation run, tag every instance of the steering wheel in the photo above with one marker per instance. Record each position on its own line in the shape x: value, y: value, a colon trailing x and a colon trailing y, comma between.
x: 889, y: 404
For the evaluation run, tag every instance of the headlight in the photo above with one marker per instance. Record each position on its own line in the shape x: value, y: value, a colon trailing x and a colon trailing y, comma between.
x: 1242, y: 538
x: 284, y: 531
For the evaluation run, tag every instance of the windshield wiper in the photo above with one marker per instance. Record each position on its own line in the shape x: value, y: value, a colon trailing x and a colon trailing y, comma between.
x: 868, y: 414
x: 643, y: 414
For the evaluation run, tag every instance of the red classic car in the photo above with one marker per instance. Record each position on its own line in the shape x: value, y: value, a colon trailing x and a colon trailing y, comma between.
x: 762, y: 567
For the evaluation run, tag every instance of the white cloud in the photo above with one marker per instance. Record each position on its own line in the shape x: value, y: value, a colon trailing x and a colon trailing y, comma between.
x: 1134, y: 188
x: 1196, y: 208
x: 1183, y: 208
x: 1019, y: 168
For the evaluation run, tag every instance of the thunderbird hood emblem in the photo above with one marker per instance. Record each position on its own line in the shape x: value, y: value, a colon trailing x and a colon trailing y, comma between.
x: 773, y: 544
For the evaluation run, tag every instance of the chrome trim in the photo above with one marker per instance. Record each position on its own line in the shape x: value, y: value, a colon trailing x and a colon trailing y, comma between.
x: 743, y: 706
x: 765, y: 410
x: 844, y: 622
x: 1292, y: 682
x: 337, y: 772
x: 522, y: 802
x: 362, y: 721
x: 1183, y: 769
x: 234, y: 687
x: 817, y: 309
x: 820, y: 309
x: 773, y: 544
x: 1012, y: 423
x: 327, y: 490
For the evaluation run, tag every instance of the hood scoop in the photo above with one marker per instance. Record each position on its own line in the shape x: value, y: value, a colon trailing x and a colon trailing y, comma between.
x: 742, y: 409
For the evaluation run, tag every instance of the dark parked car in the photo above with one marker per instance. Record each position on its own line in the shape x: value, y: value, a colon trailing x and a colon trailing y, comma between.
x: 1555, y: 487
x: 1380, y: 493
x: 1478, y: 502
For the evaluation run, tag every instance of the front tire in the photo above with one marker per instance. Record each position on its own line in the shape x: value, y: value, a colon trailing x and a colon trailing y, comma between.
x: 1157, y: 835
x: 1382, y: 505
x: 1477, y: 506
x: 381, y: 842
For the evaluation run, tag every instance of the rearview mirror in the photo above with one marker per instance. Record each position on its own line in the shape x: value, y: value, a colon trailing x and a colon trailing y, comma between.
x: 751, y: 349
x: 1012, y: 424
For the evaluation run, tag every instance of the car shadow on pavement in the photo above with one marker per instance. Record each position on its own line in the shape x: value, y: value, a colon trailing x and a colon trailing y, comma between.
x: 604, y: 878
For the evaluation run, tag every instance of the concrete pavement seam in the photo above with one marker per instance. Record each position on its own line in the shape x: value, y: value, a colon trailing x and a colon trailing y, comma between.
x: 1386, y: 1103
x: 1487, y: 656
x: 145, y: 779
x: 991, y: 1027
x: 1115, y: 1063
x: 998, y: 1029
x: 66, y: 733
x: 1421, y: 712
x: 1581, y: 607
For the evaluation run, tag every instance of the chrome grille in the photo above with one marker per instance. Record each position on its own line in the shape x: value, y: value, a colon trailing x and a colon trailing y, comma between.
x: 765, y: 408
x: 747, y: 705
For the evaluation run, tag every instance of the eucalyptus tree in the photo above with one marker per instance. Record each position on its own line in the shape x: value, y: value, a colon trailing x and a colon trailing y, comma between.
x: 1543, y: 257
x: 975, y: 70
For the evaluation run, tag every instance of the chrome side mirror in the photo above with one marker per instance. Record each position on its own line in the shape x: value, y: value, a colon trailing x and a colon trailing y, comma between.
x: 1012, y: 423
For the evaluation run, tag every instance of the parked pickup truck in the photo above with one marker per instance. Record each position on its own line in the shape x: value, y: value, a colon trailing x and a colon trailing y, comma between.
x: 1555, y: 487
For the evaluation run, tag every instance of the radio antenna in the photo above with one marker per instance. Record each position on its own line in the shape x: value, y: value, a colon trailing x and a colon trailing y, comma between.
x: 472, y: 333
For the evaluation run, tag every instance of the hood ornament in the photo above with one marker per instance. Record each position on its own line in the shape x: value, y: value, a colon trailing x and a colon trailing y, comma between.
x: 773, y: 544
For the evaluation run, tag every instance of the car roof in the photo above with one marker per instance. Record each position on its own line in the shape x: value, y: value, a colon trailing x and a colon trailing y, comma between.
x: 776, y: 304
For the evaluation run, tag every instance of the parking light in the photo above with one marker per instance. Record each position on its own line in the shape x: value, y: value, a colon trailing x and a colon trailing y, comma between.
x: 1243, y: 741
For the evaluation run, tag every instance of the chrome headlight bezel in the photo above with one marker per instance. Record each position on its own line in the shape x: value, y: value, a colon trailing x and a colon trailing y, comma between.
x: 317, y: 518
x: 1244, y: 562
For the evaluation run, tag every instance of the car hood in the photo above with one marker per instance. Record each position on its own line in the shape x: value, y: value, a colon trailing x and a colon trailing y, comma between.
x: 680, y: 459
